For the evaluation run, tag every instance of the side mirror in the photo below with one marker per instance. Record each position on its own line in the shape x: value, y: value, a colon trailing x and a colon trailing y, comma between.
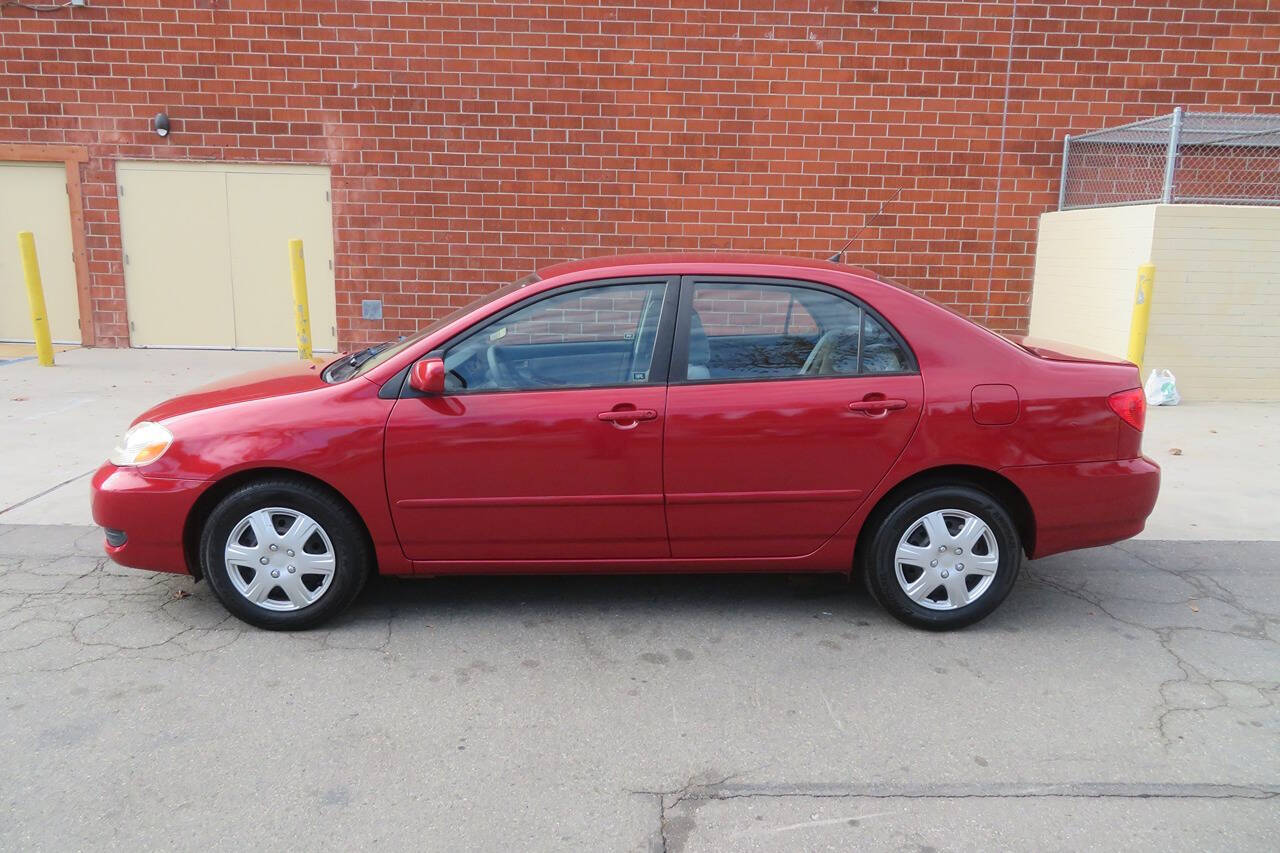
x: 427, y: 376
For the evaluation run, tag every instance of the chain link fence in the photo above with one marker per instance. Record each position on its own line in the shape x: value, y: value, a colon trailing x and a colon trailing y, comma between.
x: 1180, y: 158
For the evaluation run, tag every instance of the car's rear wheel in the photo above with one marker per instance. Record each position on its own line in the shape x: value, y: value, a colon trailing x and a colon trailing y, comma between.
x: 284, y: 555
x: 942, y: 558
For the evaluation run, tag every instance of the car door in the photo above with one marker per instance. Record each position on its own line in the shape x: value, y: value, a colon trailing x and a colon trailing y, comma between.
x: 788, y: 402
x: 547, y: 444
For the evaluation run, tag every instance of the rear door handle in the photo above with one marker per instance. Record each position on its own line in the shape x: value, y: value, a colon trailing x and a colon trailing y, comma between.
x: 877, y: 406
x: 617, y: 415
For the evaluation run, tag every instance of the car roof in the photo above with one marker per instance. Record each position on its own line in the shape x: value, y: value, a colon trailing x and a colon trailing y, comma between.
x: 700, y: 258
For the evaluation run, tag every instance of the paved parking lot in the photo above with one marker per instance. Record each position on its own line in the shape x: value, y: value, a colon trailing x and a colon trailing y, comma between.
x: 1122, y: 697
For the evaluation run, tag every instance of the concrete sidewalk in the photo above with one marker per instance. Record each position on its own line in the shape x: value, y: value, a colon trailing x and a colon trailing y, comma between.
x: 58, y: 424
x: 1218, y: 464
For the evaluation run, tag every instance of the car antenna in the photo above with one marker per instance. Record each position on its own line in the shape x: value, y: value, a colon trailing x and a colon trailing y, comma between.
x: 838, y: 257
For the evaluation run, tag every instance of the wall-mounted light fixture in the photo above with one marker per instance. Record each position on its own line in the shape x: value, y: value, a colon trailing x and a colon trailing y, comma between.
x: 161, y: 122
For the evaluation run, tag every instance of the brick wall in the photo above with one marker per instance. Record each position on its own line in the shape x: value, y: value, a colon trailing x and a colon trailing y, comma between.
x: 473, y: 142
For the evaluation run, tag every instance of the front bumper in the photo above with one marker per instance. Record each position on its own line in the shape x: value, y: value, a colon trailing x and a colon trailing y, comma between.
x: 150, y: 512
x: 1085, y: 504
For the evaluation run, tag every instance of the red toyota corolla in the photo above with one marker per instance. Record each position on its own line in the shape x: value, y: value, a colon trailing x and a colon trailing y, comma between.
x: 670, y: 413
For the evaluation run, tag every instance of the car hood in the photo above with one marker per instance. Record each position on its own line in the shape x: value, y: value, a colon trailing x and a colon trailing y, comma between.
x: 291, y: 378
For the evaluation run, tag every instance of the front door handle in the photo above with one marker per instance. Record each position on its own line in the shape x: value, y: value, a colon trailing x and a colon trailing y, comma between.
x: 877, y: 407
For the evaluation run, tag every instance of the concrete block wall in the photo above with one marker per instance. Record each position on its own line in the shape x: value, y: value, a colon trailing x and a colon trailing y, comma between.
x: 1215, y: 315
x: 1215, y: 312
x: 1085, y: 273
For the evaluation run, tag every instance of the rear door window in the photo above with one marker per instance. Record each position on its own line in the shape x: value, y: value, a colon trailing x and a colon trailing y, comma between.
x: 748, y: 330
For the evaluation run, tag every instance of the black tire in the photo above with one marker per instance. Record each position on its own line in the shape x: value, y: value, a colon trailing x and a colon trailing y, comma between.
x: 352, y: 558
x: 879, y: 564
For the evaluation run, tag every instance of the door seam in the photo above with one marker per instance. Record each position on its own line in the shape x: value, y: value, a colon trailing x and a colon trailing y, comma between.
x: 678, y: 282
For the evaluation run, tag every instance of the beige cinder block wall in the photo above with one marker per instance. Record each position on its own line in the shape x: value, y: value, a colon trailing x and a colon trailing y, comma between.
x: 1215, y: 313
x: 1086, y: 269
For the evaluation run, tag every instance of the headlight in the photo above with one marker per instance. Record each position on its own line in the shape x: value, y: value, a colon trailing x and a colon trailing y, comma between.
x: 143, y: 444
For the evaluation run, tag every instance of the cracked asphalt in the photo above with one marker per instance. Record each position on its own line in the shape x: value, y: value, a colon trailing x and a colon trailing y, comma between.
x: 1122, y: 697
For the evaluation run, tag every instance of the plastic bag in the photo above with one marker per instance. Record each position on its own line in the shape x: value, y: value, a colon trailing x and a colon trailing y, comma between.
x: 1162, y: 389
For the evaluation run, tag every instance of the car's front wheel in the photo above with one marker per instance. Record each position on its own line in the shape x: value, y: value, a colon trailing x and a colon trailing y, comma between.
x: 284, y: 555
x: 942, y: 558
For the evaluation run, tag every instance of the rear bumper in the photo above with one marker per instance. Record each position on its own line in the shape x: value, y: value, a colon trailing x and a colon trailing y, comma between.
x: 1084, y: 504
x: 150, y: 512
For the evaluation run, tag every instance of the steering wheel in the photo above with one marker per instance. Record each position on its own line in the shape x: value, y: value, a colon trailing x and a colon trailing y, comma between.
x: 498, y: 373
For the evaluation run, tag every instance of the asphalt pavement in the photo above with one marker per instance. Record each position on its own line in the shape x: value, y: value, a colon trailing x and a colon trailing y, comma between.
x: 1121, y: 698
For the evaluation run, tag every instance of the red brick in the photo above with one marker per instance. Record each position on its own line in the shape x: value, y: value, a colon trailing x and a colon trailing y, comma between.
x: 471, y: 142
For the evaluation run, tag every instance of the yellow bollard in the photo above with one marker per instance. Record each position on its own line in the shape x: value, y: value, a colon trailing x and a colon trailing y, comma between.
x: 301, y: 312
x: 35, y: 296
x: 1141, y: 313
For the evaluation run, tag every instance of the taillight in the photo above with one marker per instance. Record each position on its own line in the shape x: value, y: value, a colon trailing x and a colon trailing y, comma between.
x: 1131, y: 406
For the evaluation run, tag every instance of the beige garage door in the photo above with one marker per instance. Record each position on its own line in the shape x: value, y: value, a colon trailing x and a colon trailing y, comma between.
x: 33, y: 197
x: 207, y: 253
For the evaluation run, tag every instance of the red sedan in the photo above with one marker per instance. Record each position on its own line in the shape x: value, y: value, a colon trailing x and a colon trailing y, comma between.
x: 670, y: 413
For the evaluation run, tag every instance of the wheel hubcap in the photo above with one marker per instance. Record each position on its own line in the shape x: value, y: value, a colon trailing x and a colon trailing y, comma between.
x: 946, y: 559
x: 280, y: 559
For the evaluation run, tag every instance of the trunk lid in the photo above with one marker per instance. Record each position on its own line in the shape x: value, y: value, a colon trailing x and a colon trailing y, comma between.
x: 1059, y: 351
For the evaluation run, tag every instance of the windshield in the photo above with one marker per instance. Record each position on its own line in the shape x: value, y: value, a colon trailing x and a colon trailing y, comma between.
x: 366, y: 359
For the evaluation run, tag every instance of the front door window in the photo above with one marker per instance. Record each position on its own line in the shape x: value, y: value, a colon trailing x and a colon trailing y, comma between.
x: 588, y: 338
